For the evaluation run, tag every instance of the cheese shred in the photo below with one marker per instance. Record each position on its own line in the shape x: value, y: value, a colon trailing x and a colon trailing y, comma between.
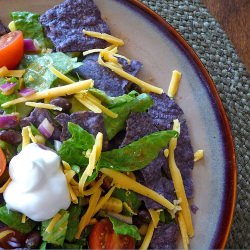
x: 89, y: 213
x: 174, y: 83
x: 53, y: 92
x: 198, y: 155
x: 26, y: 137
x: 53, y: 222
x: 5, y: 185
x: 60, y: 75
x: 43, y: 105
x: 125, y: 182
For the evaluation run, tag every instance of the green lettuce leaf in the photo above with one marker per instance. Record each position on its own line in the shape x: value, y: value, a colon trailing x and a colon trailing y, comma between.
x: 139, y: 103
x: 74, y: 218
x: 58, y: 233
x: 121, y: 227
x: 137, y: 154
x: 110, y: 101
x: 29, y: 24
x: 39, y: 77
x: 13, y: 219
x: 73, y: 150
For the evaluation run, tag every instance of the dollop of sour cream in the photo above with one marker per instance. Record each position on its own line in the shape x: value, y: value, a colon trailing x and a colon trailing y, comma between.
x: 38, y: 188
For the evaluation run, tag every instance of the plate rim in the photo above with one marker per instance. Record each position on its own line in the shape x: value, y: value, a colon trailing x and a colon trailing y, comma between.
x: 223, y: 230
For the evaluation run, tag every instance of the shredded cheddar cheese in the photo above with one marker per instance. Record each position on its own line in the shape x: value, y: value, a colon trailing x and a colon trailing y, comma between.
x: 5, y: 185
x: 53, y: 222
x: 174, y: 83
x: 183, y: 229
x: 125, y: 182
x: 26, y: 137
x: 89, y: 213
x: 93, y: 158
x: 60, y: 75
x: 43, y: 105
x: 198, y: 155
x: 146, y: 86
x: 178, y: 183
x: 53, y: 92
x: 93, y: 189
x: 108, y: 38
x: 32, y: 137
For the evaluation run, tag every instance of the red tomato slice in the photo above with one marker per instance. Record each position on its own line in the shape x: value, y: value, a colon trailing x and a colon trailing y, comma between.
x: 11, y: 49
x: 103, y: 236
x: 2, y: 162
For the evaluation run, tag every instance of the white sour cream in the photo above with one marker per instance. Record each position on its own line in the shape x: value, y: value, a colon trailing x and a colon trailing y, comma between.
x: 38, y: 188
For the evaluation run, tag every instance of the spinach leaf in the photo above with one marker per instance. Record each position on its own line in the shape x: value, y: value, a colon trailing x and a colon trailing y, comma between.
x: 138, y: 104
x: 39, y: 77
x: 124, y: 228
x: 110, y: 101
x: 73, y: 150
x: 128, y: 196
x: 74, y: 218
x: 137, y: 154
x: 14, y: 220
x: 29, y: 24
x: 58, y: 233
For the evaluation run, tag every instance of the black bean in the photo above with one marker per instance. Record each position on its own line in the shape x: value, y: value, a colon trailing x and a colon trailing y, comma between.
x: 63, y: 103
x: 11, y: 136
x: 12, y: 240
x: 33, y: 240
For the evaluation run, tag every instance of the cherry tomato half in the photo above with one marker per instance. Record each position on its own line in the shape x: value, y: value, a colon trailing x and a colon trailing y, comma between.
x: 103, y: 236
x: 2, y: 162
x: 11, y: 49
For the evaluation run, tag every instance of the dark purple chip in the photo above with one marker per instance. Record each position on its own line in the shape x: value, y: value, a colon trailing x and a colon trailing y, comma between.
x: 165, y: 236
x: 104, y: 78
x: 138, y: 125
x: 64, y: 23
x: 3, y: 29
x: 90, y: 121
x: 37, y: 116
x: 194, y: 209
x: 11, y: 136
x: 163, y: 112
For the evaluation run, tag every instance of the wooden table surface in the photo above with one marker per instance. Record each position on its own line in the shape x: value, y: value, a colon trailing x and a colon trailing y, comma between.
x: 234, y: 17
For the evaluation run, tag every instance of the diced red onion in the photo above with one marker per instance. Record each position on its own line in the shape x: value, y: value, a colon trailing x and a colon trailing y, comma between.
x: 57, y: 145
x: 7, y: 86
x: 9, y: 121
x: 46, y: 128
x: 30, y: 46
x: 26, y: 91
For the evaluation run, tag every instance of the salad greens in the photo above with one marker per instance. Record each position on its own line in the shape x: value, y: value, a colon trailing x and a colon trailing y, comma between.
x: 29, y: 24
x: 14, y: 220
x: 39, y: 77
x: 138, y: 154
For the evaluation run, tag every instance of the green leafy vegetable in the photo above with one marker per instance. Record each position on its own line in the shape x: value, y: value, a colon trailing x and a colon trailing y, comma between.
x: 58, y: 233
x: 110, y: 101
x: 138, y: 104
x: 73, y: 150
x: 29, y: 24
x: 137, y: 154
x: 74, y: 218
x: 14, y: 220
x: 28, y: 59
x: 128, y: 196
x: 39, y: 77
x: 124, y: 228
x: 43, y: 246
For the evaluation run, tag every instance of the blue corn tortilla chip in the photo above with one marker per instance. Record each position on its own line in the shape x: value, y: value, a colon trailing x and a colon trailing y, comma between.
x: 165, y: 236
x: 163, y: 112
x: 90, y: 121
x: 104, y: 78
x: 64, y: 23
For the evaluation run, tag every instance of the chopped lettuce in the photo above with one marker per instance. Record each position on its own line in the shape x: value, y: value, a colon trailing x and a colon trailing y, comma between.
x: 124, y: 228
x: 73, y: 150
x: 137, y: 154
x: 58, y: 233
x: 29, y: 24
x: 139, y: 103
x: 39, y: 77
x: 13, y: 219
x: 74, y: 218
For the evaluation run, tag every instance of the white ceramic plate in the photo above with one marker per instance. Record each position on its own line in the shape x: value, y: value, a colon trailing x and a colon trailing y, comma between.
x: 149, y: 39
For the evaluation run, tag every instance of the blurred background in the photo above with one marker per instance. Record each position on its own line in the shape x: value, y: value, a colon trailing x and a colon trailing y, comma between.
x: 234, y: 17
